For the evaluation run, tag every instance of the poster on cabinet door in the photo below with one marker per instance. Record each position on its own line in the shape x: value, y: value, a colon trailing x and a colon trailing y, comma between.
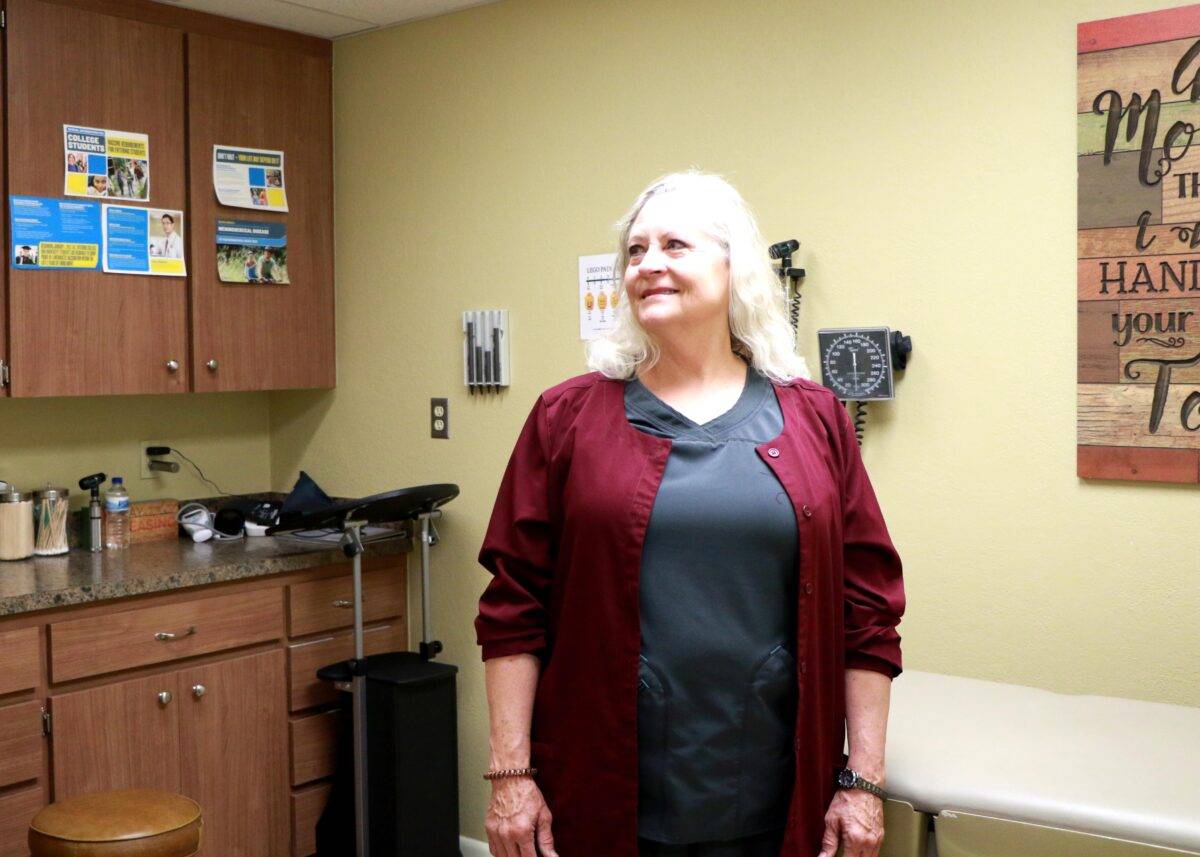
x: 250, y: 251
x: 143, y: 241
x: 598, y: 295
x: 54, y: 233
x: 249, y: 178
x: 99, y: 162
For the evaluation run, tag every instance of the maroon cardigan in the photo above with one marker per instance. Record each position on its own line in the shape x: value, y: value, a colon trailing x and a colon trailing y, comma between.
x: 565, y: 546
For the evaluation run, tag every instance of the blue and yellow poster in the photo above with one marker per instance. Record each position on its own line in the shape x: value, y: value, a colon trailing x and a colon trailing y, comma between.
x: 54, y: 233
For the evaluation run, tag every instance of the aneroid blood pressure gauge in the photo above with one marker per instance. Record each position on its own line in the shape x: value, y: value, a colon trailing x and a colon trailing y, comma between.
x: 857, y: 362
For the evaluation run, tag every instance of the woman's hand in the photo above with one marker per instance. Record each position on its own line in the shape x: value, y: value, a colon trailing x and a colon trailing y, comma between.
x: 854, y: 820
x: 518, y: 817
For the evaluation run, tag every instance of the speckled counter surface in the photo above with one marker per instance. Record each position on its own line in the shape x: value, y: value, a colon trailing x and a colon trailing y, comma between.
x: 81, y: 577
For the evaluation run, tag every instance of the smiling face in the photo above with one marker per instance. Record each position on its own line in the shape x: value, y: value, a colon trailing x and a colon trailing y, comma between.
x: 677, y: 275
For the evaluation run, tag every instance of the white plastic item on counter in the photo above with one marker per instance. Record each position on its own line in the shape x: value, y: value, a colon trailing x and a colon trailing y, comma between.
x: 16, y: 524
x: 116, y: 515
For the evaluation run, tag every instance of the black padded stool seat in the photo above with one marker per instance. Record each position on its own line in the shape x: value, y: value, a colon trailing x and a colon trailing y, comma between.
x: 128, y: 823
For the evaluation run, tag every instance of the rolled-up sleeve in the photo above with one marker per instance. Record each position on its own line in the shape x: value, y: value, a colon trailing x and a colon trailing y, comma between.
x: 874, y: 585
x: 518, y: 549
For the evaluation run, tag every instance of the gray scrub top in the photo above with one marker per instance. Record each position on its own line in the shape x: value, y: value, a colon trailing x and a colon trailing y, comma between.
x: 717, y: 685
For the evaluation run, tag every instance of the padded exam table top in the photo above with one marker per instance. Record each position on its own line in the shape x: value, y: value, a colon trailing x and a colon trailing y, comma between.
x: 1097, y: 764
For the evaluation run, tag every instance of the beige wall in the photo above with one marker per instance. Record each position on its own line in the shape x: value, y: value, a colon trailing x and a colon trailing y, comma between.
x: 61, y: 440
x: 923, y: 153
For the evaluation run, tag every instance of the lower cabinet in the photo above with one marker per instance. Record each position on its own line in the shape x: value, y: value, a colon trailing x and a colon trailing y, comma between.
x: 216, y: 733
x: 211, y: 694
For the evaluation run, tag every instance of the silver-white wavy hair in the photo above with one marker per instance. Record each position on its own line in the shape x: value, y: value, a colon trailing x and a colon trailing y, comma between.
x: 758, y: 326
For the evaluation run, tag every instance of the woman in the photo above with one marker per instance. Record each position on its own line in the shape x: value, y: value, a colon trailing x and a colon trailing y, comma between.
x: 694, y: 592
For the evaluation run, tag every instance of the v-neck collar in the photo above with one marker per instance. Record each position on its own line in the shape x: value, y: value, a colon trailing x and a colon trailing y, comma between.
x: 676, y: 424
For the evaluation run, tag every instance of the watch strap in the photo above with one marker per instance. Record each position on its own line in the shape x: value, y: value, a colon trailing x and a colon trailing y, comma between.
x: 845, y: 778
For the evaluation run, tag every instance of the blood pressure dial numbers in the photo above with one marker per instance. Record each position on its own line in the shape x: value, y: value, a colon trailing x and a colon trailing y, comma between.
x: 856, y: 363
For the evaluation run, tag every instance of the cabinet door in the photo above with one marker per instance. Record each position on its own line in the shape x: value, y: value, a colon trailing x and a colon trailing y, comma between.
x: 86, y: 332
x: 234, y: 754
x: 256, y: 337
x: 117, y: 736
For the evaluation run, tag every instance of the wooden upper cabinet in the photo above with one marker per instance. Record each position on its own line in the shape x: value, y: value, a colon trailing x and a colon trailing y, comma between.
x: 86, y: 332
x: 262, y: 337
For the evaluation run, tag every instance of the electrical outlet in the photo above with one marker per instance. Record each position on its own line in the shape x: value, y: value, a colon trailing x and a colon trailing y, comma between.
x: 439, y: 418
x: 144, y: 462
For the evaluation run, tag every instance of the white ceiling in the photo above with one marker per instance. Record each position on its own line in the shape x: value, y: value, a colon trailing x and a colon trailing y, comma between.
x: 328, y: 19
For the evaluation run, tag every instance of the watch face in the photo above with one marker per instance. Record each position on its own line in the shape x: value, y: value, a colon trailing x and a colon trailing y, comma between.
x: 856, y: 364
x: 846, y: 779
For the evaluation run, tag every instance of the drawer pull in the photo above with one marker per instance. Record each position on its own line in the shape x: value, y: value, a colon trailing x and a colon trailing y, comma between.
x: 344, y: 603
x: 198, y: 690
x: 167, y: 636
x: 164, y: 698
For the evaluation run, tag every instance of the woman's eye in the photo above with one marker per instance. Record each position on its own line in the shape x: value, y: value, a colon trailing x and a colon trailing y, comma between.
x: 675, y: 244
x: 636, y: 250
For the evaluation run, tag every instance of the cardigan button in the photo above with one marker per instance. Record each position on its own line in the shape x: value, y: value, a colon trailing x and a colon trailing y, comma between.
x: 803, y: 667
x: 808, y: 589
x: 807, y: 511
x: 773, y: 452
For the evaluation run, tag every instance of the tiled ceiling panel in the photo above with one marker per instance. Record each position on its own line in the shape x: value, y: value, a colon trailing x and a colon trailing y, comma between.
x: 328, y: 19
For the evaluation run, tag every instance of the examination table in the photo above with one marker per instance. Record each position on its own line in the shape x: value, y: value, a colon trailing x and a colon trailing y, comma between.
x: 1011, y: 771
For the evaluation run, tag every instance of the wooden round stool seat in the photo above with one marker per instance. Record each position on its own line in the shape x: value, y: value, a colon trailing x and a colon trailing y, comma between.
x: 130, y: 823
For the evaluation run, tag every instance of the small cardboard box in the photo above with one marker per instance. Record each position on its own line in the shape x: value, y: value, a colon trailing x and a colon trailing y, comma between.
x: 153, y: 521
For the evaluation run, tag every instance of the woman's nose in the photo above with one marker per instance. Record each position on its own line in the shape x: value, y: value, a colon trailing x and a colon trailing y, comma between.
x: 652, y: 260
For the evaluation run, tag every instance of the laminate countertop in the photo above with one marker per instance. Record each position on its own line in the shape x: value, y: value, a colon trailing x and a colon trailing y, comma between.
x: 81, y: 577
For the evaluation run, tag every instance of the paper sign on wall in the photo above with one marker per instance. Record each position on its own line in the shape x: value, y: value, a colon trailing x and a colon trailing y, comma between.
x: 54, y: 233
x: 598, y: 296
x: 143, y: 241
x: 249, y: 178
x: 104, y: 163
x: 251, y: 251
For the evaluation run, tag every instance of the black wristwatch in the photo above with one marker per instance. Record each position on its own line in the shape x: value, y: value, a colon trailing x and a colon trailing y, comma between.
x: 844, y: 778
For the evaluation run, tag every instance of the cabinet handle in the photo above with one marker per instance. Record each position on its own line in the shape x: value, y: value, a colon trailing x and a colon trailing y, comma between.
x: 343, y: 603
x: 212, y: 365
x: 172, y: 365
x: 167, y: 636
x: 164, y: 698
x: 198, y: 690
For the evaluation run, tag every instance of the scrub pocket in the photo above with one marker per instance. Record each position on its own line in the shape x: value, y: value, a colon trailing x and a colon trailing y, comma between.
x: 652, y: 738
x: 768, y: 730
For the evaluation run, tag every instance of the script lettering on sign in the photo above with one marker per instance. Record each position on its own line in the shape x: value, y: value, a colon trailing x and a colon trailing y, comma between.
x: 1138, y: 115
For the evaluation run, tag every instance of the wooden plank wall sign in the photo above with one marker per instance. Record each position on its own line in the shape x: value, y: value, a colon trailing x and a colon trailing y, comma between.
x: 1139, y: 247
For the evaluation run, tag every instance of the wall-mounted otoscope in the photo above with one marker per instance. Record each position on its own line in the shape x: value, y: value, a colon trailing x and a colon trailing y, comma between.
x: 790, y: 277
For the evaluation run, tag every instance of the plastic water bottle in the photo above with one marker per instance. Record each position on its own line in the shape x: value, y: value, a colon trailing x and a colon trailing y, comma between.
x: 116, y: 515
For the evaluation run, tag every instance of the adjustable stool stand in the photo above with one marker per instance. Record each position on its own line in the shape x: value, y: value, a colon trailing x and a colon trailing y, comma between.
x: 404, y: 668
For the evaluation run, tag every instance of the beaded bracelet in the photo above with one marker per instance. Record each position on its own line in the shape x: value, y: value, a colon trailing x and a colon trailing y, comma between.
x: 510, y: 772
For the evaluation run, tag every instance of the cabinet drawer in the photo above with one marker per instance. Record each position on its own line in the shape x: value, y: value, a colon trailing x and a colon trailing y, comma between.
x: 151, y: 635
x: 314, y: 746
x: 17, y: 809
x: 307, y: 806
x: 20, y: 743
x: 304, y: 659
x: 322, y: 605
x: 19, y: 665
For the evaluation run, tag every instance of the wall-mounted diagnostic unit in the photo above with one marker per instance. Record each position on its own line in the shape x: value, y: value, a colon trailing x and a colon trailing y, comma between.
x: 485, y: 350
x: 859, y: 364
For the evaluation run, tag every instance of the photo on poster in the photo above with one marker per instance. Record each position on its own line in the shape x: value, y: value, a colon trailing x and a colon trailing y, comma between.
x: 251, y: 251
x: 100, y: 162
x: 143, y: 241
x: 249, y: 178
x: 54, y: 233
